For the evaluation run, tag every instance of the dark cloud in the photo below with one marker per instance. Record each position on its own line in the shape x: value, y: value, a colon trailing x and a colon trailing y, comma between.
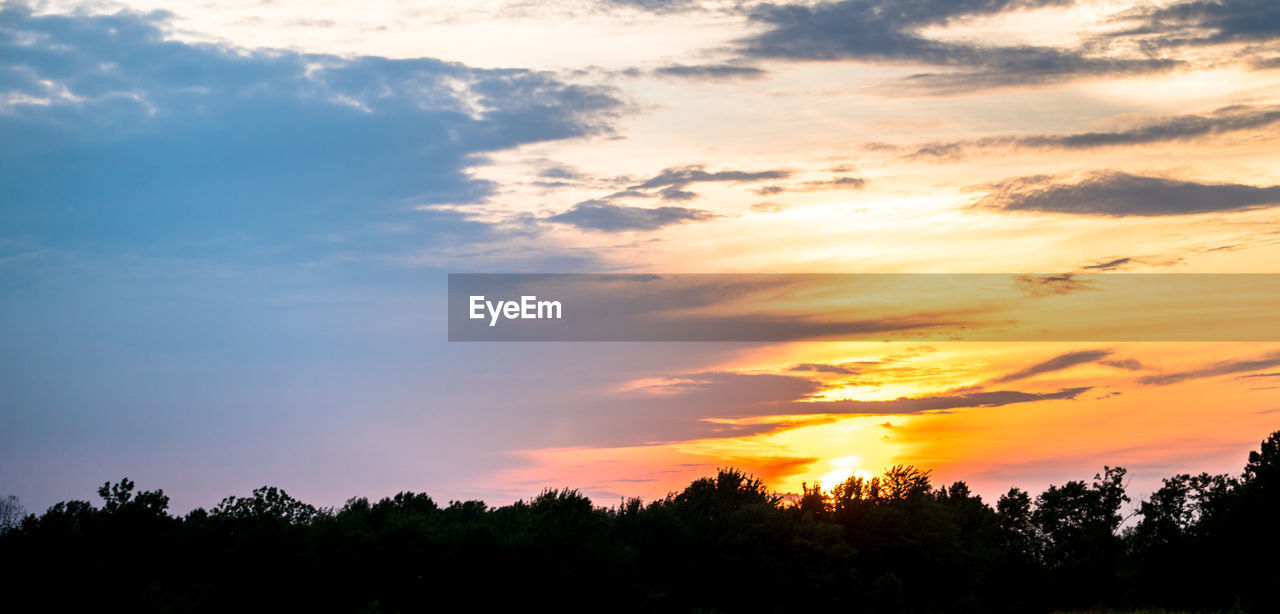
x: 882, y: 30
x: 1019, y: 66
x: 1166, y: 129
x: 676, y: 194
x: 710, y: 72
x: 695, y: 173
x: 1057, y: 363
x: 1226, y: 367
x: 1108, y: 265
x: 824, y: 368
x: 869, y: 28
x: 561, y: 171
x: 943, y: 402
x: 1202, y: 22
x: 1115, y: 194
x: 1050, y: 285
x: 1128, y: 364
x: 603, y: 216
x: 668, y: 185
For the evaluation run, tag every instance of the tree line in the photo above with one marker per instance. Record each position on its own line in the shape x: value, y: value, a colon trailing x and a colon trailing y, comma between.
x: 891, y: 543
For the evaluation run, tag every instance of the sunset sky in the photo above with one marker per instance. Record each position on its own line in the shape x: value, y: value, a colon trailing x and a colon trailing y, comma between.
x: 226, y: 229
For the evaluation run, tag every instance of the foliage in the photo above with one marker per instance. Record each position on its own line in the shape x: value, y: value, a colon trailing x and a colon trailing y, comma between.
x: 889, y: 543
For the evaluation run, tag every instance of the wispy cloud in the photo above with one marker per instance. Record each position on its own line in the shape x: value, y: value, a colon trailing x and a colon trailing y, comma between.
x: 1117, y: 194
x: 710, y: 72
x: 1214, y: 369
x: 1057, y: 363
x: 682, y: 176
x: 682, y: 407
x: 942, y: 402
x: 1158, y: 130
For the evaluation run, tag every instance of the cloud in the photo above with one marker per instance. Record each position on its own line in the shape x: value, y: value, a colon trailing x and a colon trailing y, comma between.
x: 1116, y: 194
x: 824, y: 368
x: 1057, y: 363
x: 710, y: 72
x: 696, y: 173
x: 554, y: 170
x: 1050, y: 285
x: 676, y: 194
x: 657, y: 6
x: 1202, y: 22
x: 1020, y: 66
x: 883, y: 30
x: 837, y: 183
x: 944, y: 402
x: 768, y: 207
x: 603, y: 216
x: 116, y: 137
x: 1108, y: 265
x: 668, y: 185
x: 1225, y: 367
x: 1128, y: 364
x: 868, y: 28
x: 1259, y: 375
x: 1159, y: 130
x: 682, y: 407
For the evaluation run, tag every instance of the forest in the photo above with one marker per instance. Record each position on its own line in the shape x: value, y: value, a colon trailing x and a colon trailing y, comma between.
x: 893, y: 543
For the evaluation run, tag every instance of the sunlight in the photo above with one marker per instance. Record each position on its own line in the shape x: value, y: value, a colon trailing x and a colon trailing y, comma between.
x: 843, y: 468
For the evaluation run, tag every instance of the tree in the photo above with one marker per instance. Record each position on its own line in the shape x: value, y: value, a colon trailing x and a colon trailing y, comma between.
x: 11, y: 513
x: 904, y: 481
x: 1264, y: 464
x: 1076, y: 524
x: 118, y: 498
x: 711, y: 499
x: 267, y: 503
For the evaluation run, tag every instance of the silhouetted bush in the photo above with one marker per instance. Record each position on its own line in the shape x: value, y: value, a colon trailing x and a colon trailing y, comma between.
x: 892, y: 543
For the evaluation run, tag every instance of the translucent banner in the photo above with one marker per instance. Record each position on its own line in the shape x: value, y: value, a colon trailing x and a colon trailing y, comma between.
x: 864, y: 307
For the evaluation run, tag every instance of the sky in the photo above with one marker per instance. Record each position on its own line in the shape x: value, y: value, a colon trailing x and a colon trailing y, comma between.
x: 226, y: 229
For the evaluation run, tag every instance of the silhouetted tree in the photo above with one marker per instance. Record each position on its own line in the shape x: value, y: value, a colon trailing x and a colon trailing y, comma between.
x: 1077, y: 526
x: 11, y: 513
x: 890, y: 543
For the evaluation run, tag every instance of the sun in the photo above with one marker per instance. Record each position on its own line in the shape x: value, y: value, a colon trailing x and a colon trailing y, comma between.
x: 842, y: 468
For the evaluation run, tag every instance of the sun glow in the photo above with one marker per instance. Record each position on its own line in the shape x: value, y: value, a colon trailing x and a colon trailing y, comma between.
x: 843, y: 468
